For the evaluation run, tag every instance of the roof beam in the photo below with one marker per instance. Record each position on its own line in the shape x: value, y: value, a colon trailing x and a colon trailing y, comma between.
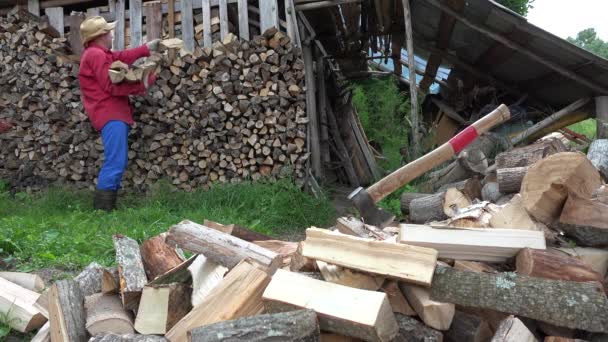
x: 521, y: 49
x: 446, y: 27
x: 323, y: 4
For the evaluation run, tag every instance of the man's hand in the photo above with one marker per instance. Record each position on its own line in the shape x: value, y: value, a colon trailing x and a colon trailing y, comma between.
x: 153, y: 45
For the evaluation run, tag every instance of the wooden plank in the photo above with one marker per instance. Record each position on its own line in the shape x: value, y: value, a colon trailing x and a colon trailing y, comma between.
x: 207, y: 40
x: 397, y: 261
x: 243, y: 20
x: 238, y: 295
x: 55, y: 15
x: 323, y: 4
x: 187, y: 25
x: 223, y: 19
x: 154, y: 20
x: 222, y: 248
x: 269, y: 15
x: 288, y: 291
x: 415, y: 138
x: 75, y: 20
x: 363, y: 142
x: 477, y: 244
x: 33, y: 6
x: 344, y: 276
x: 135, y: 19
x: 289, y: 18
x: 564, y: 303
x: 119, y: 32
x: 17, y: 307
x: 311, y: 108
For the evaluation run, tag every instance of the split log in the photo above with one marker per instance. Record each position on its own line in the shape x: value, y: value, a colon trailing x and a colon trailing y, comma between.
x: 513, y: 216
x: 206, y: 275
x: 585, y: 220
x: 344, y: 276
x: 127, y: 338
x: 563, y: 303
x: 284, y: 249
x: 598, y: 155
x: 222, y: 248
x: 299, y: 263
x: 355, y: 227
x: 90, y: 279
x: 551, y: 265
x: 475, y: 216
x: 238, y: 295
x: 470, y: 187
x: 528, y: 155
x: 17, y: 307
x: 42, y: 303
x: 237, y: 231
x: 178, y: 274
x: 513, y: 330
x: 130, y: 271
x: 509, y: 179
x: 438, y: 207
x: 494, y: 245
x: 407, y: 198
x: 546, y: 186
x: 601, y: 194
x: 158, y: 257
x: 105, y: 314
x: 292, y: 326
x: 30, y: 281
x: 288, y: 291
x: 43, y: 334
x: 435, y: 314
x: 110, y: 282
x: 468, y: 328
x: 161, y: 307
x: 66, y: 310
x: 594, y: 257
x: 397, y: 299
x: 224, y: 228
x: 396, y: 261
x: 411, y: 330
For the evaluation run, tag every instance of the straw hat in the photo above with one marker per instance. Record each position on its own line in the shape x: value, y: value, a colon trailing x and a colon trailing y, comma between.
x: 94, y: 27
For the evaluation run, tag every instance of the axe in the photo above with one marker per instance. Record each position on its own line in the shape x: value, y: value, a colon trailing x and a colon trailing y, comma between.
x: 365, y: 199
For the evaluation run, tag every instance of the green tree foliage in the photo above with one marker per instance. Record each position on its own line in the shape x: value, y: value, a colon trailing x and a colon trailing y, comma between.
x: 588, y: 40
x: 519, y: 6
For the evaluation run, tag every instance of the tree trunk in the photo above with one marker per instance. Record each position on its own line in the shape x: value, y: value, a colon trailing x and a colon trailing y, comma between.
x: 509, y: 179
x: 598, y: 155
x: 222, y: 248
x: 563, y: 303
x: 551, y: 265
x: 158, y: 257
x: 437, y: 207
x: 66, y: 311
x: 528, y: 155
x: 292, y: 326
x: 90, y: 279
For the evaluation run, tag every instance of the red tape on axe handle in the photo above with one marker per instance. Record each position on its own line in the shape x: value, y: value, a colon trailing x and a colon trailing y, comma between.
x: 462, y: 139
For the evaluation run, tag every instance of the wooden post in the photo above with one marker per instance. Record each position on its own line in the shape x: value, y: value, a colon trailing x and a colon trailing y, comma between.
x: 33, y: 6
x: 119, y: 32
x: 154, y: 20
x: 207, y: 40
x: 112, y: 6
x: 243, y: 20
x: 76, y: 18
x: 223, y: 18
x: 135, y: 23
x: 601, y: 115
x: 55, y: 15
x: 311, y: 107
x: 269, y: 16
x: 411, y: 64
x: 171, y: 24
x: 187, y: 25
x: 320, y: 66
x: 91, y: 12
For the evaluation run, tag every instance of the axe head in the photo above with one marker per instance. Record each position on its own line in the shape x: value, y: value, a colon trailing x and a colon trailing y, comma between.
x: 367, y: 208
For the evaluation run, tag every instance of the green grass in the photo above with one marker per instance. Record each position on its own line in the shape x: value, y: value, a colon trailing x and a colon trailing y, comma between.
x: 58, y: 228
x: 587, y: 128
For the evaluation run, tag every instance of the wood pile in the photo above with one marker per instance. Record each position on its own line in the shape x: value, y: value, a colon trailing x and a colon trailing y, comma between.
x: 226, y: 114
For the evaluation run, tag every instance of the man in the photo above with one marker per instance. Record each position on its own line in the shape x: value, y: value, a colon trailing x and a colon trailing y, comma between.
x: 107, y: 104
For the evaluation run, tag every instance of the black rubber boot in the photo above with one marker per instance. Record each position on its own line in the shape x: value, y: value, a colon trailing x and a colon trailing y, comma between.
x: 104, y: 200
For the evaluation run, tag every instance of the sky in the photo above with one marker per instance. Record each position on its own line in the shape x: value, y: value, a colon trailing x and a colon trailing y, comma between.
x: 566, y: 17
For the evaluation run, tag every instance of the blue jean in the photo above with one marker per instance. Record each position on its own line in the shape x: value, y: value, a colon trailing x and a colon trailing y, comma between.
x: 115, y: 148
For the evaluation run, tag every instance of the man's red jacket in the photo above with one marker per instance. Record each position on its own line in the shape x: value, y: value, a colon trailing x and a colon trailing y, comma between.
x: 103, y: 100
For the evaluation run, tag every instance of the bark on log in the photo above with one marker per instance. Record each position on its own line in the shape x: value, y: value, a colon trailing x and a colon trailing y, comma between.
x: 90, y: 279
x: 546, y: 185
x: 598, y: 155
x: 594, y: 257
x: 411, y: 330
x: 437, y: 207
x: 222, y: 248
x: 130, y: 271
x: 528, y: 155
x: 292, y: 326
x: 551, y: 265
x: 509, y: 179
x: 127, y: 338
x: 470, y: 187
x: 105, y: 314
x: 66, y: 310
x: 407, y: 198
x: 158, y: 257
x: 564, y: 303
x: 585, y: 220
x: 468, y: 328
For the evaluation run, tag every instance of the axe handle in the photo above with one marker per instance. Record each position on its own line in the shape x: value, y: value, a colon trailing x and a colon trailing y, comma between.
x: 443, y: 153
